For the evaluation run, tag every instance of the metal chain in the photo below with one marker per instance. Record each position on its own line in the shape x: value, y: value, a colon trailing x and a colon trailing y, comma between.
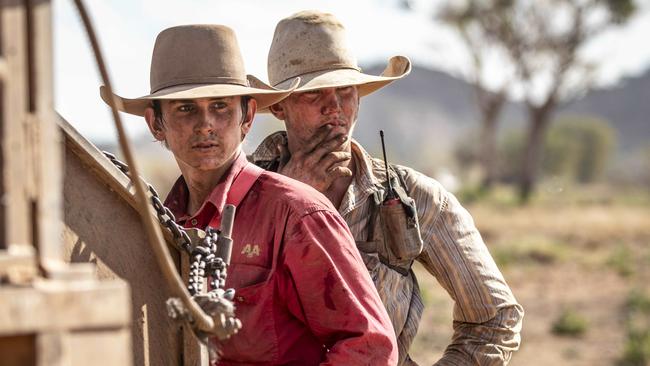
x: 204, y: 264
x: 165, y: 216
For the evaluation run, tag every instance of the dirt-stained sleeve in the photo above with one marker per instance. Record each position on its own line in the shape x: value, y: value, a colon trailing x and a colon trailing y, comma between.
x: 331, y: 291
x: 487, y: 317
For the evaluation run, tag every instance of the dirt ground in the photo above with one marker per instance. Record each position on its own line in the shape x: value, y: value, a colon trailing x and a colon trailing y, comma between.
x: 585, y: 258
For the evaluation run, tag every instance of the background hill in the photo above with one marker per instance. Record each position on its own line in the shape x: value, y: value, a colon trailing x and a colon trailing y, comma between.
x: 427, y: 112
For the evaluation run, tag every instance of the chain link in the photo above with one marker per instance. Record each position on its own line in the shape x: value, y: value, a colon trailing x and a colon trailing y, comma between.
x: 206, y: 264
x: 204, y: 261
x: 165, y: 216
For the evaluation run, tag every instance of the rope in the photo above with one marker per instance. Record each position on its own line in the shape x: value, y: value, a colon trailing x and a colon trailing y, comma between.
x: 201, y: 320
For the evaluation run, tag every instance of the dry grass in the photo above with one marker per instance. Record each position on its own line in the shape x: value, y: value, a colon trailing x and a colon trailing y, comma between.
x: 586, y: 256
x: 584, y: 226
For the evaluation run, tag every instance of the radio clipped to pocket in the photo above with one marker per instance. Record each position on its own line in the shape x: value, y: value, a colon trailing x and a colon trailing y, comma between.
x: 401, y: 231
x: 401, y: 239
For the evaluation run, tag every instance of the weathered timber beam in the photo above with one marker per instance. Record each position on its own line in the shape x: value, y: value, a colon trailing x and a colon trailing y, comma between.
x: 3, y: 69
x: 106, y: 171
x: 55, y: 305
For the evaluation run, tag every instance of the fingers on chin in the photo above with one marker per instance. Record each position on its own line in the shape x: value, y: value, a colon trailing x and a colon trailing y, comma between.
x: 339, y: 171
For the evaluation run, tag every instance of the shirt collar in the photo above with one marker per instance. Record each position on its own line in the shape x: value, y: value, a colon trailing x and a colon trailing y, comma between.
x: 178, y: 196
x: 367, y: 179
x: 268, y: 149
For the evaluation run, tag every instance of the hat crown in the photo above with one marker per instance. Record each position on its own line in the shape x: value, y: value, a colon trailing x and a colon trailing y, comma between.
x: 306, y: 42
x: 196, y: 54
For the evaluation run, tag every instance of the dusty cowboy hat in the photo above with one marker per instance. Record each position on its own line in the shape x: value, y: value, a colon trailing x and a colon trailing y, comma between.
x: 312, y: 45
x: 198, y: 61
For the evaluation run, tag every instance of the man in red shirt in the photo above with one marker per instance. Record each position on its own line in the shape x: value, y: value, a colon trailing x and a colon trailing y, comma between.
x: 302, y: 292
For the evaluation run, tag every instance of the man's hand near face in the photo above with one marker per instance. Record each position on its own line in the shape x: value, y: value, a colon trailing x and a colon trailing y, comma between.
x: 318, y: 163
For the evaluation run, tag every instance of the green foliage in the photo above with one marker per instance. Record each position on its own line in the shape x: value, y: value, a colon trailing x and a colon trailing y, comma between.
x: 575, y: 148
x: 470, y: 194
x: 531, y: 250
x: 597, y: 142
x: 638, y: 301
x: 510, y: 152
x: 578, y: 148
x: 560, y: 152
x: 622, y: 261
x: 636, y: 351
x: 621, y: 10
x: 570, y: 323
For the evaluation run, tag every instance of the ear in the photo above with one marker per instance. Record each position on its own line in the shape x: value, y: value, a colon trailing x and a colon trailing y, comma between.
x: 248, y: 122
x: 154, y: 126
x: 278, y: 111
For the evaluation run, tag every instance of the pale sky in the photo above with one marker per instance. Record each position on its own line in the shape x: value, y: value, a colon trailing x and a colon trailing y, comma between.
x: 377, y: 29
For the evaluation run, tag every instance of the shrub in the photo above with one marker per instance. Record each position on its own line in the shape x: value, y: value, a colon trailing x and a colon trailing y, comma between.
x: 636, y: 351
x: 576, y: 148
x: 570, y: 323
x: 531, y: 250
x: 622, y: 261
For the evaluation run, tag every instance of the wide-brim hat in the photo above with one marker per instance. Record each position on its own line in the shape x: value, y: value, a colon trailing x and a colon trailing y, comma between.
x: 198, y: 61
x: 312, y: 45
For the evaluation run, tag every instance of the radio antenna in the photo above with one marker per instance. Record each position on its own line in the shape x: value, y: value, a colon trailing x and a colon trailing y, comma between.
x: 383, y: 149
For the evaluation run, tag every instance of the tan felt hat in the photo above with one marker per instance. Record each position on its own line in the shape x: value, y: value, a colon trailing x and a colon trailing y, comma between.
x: 199, y: 61
x: 312, y: 45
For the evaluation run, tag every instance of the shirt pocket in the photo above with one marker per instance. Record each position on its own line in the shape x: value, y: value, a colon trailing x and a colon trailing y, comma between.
x: 400, y: 241
x: 257, y: 340
x: 243, y: 275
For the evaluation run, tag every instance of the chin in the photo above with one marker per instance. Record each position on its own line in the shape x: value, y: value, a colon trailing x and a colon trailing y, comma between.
x: 209, y: 165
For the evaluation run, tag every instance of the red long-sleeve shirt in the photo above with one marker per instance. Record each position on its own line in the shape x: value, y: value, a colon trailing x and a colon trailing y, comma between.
x: 302, y: 291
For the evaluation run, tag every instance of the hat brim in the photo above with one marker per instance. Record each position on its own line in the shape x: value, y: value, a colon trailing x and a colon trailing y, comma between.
x: 397, y: 68
x: 264, y: 94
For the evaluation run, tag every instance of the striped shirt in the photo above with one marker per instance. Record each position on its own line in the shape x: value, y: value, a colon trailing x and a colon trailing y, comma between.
x: 487, y: 318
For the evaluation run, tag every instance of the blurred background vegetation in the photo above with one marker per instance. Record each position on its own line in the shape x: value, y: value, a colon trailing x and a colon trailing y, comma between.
x: 555, y: 173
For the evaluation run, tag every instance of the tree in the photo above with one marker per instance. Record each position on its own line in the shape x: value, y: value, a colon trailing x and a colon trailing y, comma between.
x: 468, y: 21
x: 543, y: 41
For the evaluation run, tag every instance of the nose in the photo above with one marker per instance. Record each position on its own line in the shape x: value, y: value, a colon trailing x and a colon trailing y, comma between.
x: 332, y: 102
x: 204, y: 123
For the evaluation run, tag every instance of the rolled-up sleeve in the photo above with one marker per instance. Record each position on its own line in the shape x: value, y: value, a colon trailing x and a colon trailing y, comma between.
x: 331, y: 292
x: 487, y: 318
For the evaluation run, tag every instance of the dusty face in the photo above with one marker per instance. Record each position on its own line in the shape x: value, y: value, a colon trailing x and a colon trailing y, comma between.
x: 308, y: 112
x: 203, y: 134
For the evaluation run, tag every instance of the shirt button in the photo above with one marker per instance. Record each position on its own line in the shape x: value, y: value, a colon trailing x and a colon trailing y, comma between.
x: 239, y: 298
x: 194, y: 222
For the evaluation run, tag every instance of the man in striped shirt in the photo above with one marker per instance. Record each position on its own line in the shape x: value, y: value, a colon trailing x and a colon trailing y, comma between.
x: 317, y: 149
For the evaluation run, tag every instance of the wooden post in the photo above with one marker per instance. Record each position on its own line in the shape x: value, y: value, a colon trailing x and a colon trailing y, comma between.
x: 45, y: 137
x: 15, y: 206
x: 51, y: 312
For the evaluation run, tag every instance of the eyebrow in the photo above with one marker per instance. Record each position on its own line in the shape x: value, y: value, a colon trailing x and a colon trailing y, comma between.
x: 184, y: 101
